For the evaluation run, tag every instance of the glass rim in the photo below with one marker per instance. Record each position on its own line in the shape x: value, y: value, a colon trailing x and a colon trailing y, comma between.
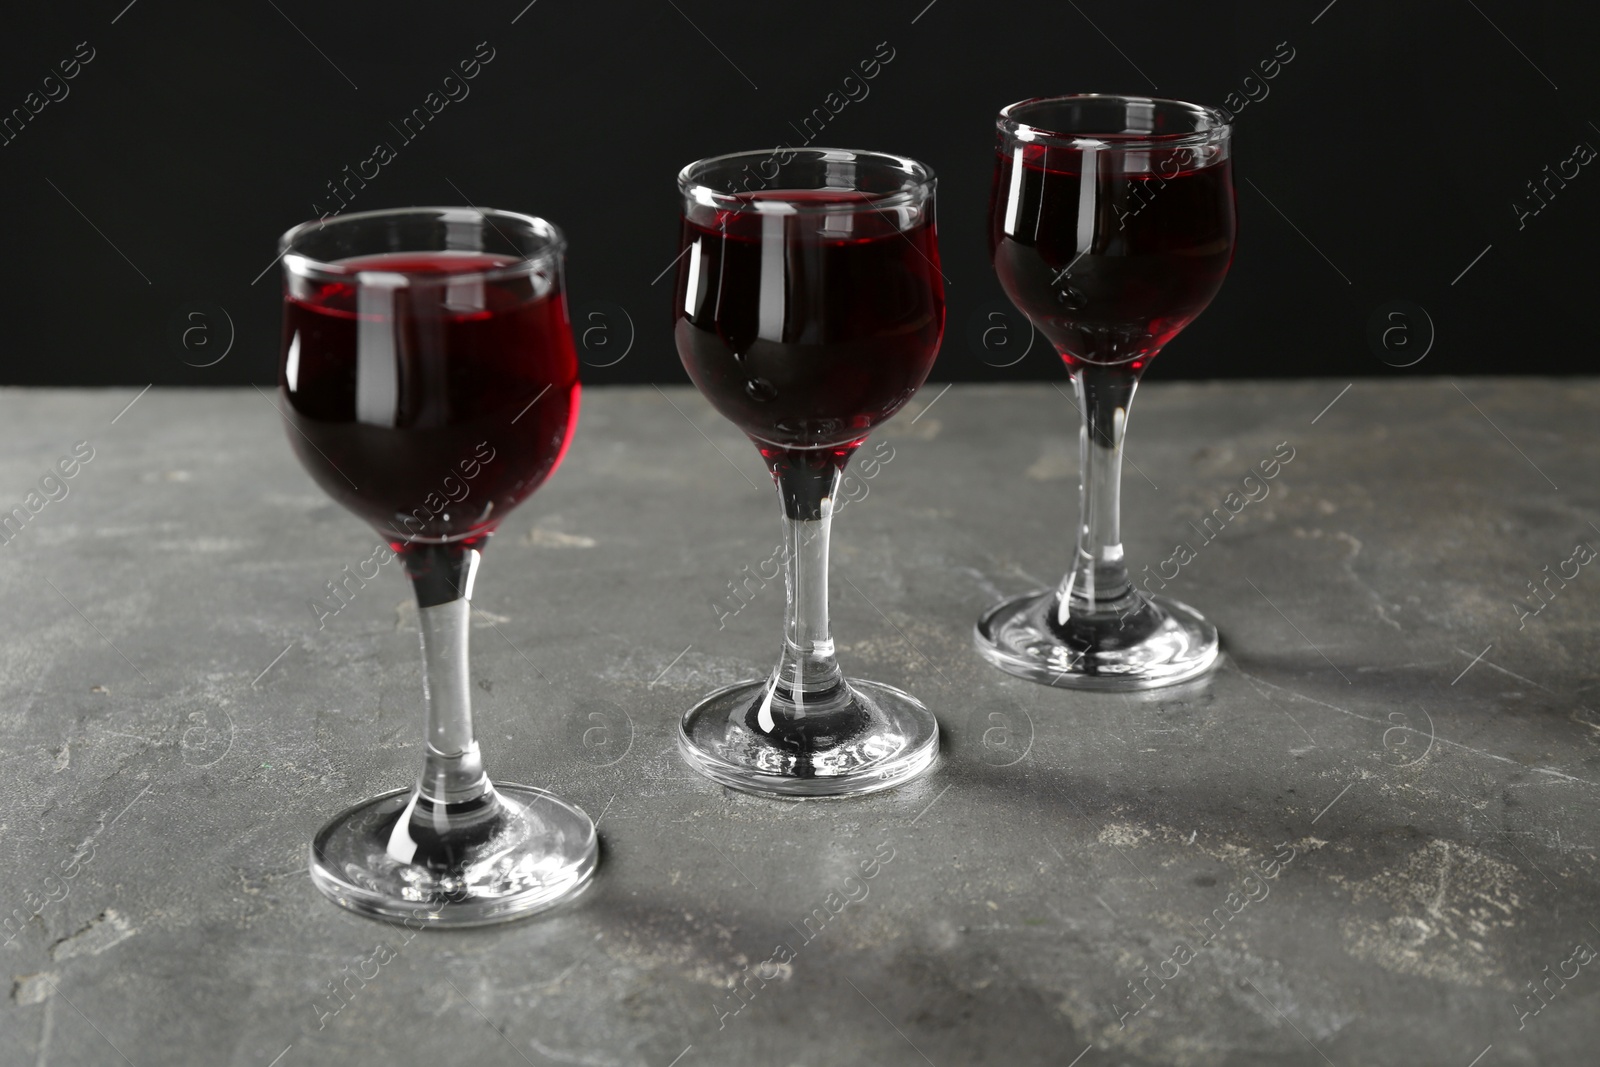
x: 694, y: 190
x: 554, y: 244
x: 1221, y: 125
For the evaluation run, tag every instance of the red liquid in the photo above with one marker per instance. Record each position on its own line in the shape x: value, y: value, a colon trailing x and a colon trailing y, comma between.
x: 432, y: 409
x: 807, y: 330
x: 1156, y: 243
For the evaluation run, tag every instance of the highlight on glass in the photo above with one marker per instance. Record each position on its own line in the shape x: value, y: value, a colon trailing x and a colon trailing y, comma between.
x: 431, y: 384
x: 1111, y: 228
x: 809, y: 309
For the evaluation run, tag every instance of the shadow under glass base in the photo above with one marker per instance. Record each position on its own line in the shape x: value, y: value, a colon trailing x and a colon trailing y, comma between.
x: 516, y: 851
x: 879, y: 739
x: 1170, y: 643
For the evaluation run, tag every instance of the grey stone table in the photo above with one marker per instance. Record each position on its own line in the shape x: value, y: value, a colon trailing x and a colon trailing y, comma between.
x: 1368, y: 839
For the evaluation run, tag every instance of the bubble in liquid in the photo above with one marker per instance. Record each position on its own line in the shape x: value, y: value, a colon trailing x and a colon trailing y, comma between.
x: 760, y: 389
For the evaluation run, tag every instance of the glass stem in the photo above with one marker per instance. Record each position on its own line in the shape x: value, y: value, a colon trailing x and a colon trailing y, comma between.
x: 807, y: 676
x: 1097, y: 586
x: 441, y: 576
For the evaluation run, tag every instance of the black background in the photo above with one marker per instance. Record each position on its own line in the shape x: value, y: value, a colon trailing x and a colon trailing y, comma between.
x: 1397, y: 141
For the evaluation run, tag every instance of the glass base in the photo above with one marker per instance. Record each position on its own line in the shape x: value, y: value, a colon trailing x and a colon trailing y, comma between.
x: 516, y: 851
x: 877, y: 739
x: 1172, y: 643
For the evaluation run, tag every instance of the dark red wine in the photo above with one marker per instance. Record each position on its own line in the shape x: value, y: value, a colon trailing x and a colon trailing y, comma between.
x: 430, y: 408
x: 808, y: 329
x: 1110, y: 252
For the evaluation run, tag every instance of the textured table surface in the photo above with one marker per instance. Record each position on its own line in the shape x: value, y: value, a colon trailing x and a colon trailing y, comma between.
x: 1364, y: 840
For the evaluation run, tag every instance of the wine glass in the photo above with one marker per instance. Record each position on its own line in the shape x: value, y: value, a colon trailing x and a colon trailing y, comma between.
x: 1111, y: 228
x: 432, y: 384
x: 809, y: 309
